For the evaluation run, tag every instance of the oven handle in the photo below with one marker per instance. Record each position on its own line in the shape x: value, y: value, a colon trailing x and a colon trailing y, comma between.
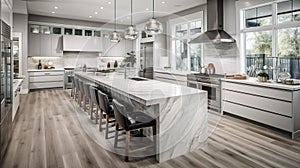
x: 209, y: 85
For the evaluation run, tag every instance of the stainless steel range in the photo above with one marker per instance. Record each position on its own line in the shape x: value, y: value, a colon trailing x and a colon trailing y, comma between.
x: 211, y: 84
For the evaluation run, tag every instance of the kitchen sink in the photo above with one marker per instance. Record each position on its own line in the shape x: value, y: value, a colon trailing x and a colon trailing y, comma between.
x: 138, y: 79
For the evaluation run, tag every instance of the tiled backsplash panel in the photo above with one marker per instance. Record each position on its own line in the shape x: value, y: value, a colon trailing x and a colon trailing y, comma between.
x: 75, y: 59
x: 225, y: 57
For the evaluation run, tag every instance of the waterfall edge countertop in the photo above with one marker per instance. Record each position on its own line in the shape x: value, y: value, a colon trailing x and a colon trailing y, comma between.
x: 180, y: 111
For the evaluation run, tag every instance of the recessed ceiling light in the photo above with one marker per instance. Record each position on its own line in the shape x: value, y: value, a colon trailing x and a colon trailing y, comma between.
x: 96, y: 13
x: 101, y: 7
x: 147, y: 9
x: 53, y: 12
x: 109, y: 2
x: 90, y: 16
x: 55, y: 7
x: 163, y: 2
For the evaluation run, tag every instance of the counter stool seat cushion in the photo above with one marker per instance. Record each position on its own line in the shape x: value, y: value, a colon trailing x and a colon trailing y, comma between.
x: 139, y: 119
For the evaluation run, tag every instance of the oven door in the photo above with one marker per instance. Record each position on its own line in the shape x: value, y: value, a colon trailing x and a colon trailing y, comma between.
x: 214, y: 95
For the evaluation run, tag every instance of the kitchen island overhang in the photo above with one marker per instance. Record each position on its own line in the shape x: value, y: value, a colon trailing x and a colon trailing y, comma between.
x: 180, y: 111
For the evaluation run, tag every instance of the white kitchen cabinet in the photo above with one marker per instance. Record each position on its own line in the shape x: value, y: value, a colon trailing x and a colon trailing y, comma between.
x: 82, y: 43
x: 266, y: 103
x: 56, y: 40
x: 45, y: 45
x: 40, y: 79
x: 34, y: 44
x: 16, y: 96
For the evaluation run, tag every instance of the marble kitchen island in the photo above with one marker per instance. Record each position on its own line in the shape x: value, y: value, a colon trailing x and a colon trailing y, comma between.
x: 181, y: 112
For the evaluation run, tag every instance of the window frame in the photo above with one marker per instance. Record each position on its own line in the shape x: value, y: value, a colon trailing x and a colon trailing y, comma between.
x: 274, y: 27
x: 185, y: 20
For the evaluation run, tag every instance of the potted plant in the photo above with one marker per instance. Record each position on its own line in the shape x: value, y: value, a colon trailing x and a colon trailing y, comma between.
x: 262, y: 77
x: 130, y: 59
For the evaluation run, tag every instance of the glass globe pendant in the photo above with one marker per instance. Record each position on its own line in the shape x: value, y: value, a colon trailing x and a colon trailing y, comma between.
x: 115, y: 37
x: 153, y: 26
x: 131, y: 33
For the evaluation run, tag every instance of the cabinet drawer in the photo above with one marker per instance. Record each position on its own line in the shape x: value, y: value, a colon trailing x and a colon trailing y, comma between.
x: 46, y: 73
x: 45, y: 85
x: 284, y: 123
x: 262, y: 91
x: 172, y: 81
x: 171, y: 76
x: 268, y: 104
x: 45, y: 78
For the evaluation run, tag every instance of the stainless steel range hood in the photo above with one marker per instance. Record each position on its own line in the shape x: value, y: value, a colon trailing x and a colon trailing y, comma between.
x: 215, y: 32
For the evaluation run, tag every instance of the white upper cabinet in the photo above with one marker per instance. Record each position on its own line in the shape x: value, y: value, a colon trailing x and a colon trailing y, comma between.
x: 82, y: 43
x: 45, y: 45
x: 56, y: 48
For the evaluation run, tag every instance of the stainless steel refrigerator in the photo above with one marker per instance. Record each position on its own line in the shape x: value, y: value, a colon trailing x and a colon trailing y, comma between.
x: 146, y: 60
x: 6, y: 82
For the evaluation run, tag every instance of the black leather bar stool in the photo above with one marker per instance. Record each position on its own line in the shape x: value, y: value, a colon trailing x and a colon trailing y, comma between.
x: 106, y: 108
x: 73, y: 86
x: 77, y: 91
x: 82, y: 94
x: 87, y: 97
x: 130, y: 122
x: 94, y: 100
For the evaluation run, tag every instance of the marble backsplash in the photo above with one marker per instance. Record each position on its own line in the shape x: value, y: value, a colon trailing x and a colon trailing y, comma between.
x: 225, y: 57
x: 75, y: 59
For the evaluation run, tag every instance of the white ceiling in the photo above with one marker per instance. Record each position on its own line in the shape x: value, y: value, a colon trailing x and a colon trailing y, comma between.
x: 84, y: 9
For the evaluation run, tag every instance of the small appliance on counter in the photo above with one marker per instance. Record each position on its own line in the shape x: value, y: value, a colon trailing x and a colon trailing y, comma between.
x: 49, y: 65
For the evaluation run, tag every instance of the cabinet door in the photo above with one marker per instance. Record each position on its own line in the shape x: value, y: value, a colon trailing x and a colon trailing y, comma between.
x: 34, y: 44
x: 46, y: 43
x: 57, y: 45
x: 93, y: 44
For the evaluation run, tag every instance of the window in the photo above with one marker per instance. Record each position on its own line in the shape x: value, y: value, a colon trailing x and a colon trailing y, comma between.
x: 260, y: 16
x: 187, y: 57
x: 270, y: 43
x: 288, y: 11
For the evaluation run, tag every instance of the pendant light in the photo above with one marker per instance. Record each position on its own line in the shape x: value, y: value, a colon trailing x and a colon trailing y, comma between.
x: 131, y: 33
x: 153, y: 26
x: 115, y: 37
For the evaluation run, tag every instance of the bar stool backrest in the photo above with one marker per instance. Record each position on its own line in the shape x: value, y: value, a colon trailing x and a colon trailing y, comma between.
x: 81, y: 87
x: 93, y: 92
x: 103, y: 102
x: 86, y: 88
x: 120, y: 114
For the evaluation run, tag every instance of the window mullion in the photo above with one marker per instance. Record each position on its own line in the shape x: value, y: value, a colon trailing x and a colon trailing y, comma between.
x: 274, y: 31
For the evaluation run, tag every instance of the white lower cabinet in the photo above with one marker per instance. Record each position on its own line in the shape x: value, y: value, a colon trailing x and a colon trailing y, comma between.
x: 46, y: 79
x: 271, y: 106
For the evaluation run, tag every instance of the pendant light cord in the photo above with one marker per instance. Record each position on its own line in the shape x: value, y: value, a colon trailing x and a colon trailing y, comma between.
x: 131, y: 12
x: 115, y: 15
x: 153, y: 10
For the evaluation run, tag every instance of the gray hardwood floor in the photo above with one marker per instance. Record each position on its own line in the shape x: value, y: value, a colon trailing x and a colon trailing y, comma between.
x: 47, y: 133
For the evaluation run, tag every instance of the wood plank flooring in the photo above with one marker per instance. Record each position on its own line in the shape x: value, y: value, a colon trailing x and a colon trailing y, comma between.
x: 47, y: 133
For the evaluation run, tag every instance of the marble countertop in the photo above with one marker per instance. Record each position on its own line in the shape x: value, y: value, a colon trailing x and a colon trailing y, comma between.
x: 147, y: 92
x: 44, y: 70
x: 254, y: 81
